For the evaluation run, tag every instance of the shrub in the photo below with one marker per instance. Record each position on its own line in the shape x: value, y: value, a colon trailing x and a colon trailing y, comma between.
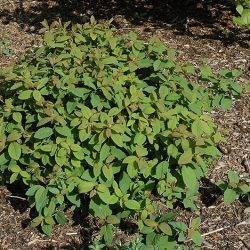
x: 96, y: 119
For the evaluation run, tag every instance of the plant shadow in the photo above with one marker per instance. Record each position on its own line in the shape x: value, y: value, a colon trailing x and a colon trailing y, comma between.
x: 17, y: 198
x: 209, y: 192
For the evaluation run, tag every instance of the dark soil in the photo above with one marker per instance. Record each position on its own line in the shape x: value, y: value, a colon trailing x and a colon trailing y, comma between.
x: 200, y: 32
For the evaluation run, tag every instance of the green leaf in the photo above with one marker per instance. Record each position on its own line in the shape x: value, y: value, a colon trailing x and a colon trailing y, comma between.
x: 148, y: 110
x: 107, y: 198
x: 165, y: 228
x: 60, y: 217
x: 43, y: 133
x: 44, y: 121
x: 206, y: 71
x: 95, y: 100
x: 49, y: 211
x: 104, y: 153
x: 14, y: 136
x: 3, y: 160
x: 197, y: 128
x: 41, y: 198
x: 132, y: 204
x: 15, y: 150
x: 233, y: 177
x: 230, y: 196
x: 37, y: 95
x: 145, y: 63
x: 107, y: 232
x: 150, y: 223
x: 64, y: 131
x: 13, y: 177
x: 172, y: 150
x: 236, y: 87
x: 196, y: 237
x: 108, y: 172
x: 125, y: 182
x: 146, y: 230
x: 239, y: 8
x: 190, y: 179
x: 186, y: 157
x: 163, y: 91
x: 117, y: 139
x: 98, y: 208
x: 141, y: 151
x: 24, y: 95
x: 36, y: 221
x: 172, y: 123
x: 114, y: 111
x: 195, y: 223
x: 130, y: 159
x: 245, y: 188
x: 244, y: 19
x: 112, y: 219
x: 60, y: 160
x: 24, y: 174
x: 110, y: 60
x: 156, y: 64
x: 132, y: 170
x: 54, y: 190
x: 80, y: 92
x: 85, y: 186
x: 211, y: 150
x: 113, y: 42
x: 226, y: 103
x: 47, y: 229
x: 84, y: 135
x: 79, y: 155
x: 139, y: 139
x: 32, y: 190
x: 17, y: 117
x: 161, y: 169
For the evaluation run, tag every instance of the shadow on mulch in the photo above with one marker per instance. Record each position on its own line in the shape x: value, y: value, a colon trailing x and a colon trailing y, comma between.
x: 80, y: 217
x: 214, y: 15
x: 17, y: 190
x: 209, y: 192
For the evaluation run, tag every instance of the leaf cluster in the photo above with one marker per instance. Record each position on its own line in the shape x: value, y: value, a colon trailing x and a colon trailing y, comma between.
x: 234, y: 187
x: 243, y: 9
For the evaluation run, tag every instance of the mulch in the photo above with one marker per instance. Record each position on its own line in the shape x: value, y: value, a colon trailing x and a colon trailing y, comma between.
x: 199, y: 36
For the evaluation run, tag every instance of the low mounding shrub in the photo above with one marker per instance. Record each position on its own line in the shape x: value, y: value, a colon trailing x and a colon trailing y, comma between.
x: 113, y: 123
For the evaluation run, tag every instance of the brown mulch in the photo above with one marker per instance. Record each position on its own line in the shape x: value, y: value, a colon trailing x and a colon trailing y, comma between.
x: 198, y: 38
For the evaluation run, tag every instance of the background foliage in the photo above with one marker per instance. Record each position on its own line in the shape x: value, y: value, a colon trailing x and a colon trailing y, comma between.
x: 243, y: 8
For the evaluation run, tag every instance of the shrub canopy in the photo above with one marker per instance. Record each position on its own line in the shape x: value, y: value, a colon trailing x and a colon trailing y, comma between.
x: 114, y: 119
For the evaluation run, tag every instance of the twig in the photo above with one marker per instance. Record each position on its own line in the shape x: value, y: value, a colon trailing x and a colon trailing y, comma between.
x: 246, y: 222
x: 16, y: 197
x: 73, y: 233
x: 244, y: 243
x: 215, y: 231
x: 39, y: 240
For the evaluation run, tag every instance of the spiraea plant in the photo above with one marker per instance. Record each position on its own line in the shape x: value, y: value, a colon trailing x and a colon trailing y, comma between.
x: 113, y: 119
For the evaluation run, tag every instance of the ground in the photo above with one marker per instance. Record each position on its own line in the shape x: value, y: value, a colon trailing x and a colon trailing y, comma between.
x: 199, y: 35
